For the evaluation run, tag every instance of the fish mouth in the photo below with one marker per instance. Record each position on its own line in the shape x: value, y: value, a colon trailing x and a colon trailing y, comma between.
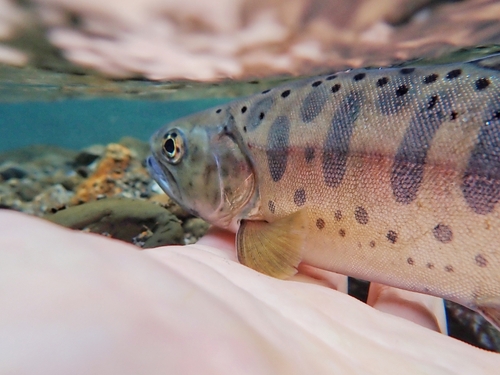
x: 164, y: 178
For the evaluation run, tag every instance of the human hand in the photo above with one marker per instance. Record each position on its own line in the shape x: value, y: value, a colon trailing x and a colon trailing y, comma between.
x: 80, y: 303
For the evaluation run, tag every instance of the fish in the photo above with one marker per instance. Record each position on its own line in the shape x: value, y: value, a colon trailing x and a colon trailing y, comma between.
x: 390, y: 175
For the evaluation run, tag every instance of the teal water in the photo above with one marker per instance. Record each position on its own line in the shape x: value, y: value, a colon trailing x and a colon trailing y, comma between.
x: 79, y: 123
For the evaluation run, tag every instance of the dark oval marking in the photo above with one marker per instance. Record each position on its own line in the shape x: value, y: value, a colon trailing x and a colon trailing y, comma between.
x: 336, y: 87
x: 449, y: 268
x: 430, y: 78
x: 218, y: 111
x: 382, y: 81
x: 359, y: 76
x: 409, y: 161
x: 453, y: 115
x: 482, y: 83
x: 481, y: 260
x: 272, y: 206
x: 401, y: 90
x: 245, y: 129
x: 336, y: 145
x: 392, y: 236
x: 481, y: 180
x: 312, y: 105
x: 407, y: 71
x: 432, y: 101
x: 443, y: 233
x: 309, y: 154
x: 277, y: 147
x: 454, y: 73
x: 361, y: 215
x: 329, y: 78
x: 254, y: 118
x: 338, y: 215
x: 266, y: 91
x: 320, y: 223
x: 317, y: 83
x: 285, y: 93
x: 372, y: 243
x: 243, y: 109
x: 299, y: 197
x: 430, y: 266
x: 410, y: 261
x: 342, y: 232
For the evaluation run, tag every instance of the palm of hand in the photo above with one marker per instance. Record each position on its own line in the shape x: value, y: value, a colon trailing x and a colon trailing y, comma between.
x: 80, y: 303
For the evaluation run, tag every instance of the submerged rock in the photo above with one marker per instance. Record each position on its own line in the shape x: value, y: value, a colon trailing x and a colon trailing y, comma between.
x: 142, y: 223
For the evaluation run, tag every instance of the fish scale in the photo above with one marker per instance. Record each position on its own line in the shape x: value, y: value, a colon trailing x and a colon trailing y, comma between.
x: 390, y: 175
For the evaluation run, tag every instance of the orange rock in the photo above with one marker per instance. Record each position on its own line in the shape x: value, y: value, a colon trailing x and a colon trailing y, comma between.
x: 111, y: 168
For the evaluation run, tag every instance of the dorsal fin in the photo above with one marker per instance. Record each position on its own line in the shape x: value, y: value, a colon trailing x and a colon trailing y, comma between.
x: 489, y: 62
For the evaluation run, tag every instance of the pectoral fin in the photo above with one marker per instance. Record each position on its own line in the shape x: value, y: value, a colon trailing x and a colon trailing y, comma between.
x: 274, y: 249
x: 490, y: 309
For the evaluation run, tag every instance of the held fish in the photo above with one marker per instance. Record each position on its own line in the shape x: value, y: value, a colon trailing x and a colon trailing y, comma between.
x: 389, y: 175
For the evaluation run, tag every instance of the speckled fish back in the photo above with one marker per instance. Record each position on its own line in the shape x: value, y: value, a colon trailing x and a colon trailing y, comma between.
x: 398, y: 170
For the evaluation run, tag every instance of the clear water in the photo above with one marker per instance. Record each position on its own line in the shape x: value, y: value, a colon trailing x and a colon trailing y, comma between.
x: 77, y: 123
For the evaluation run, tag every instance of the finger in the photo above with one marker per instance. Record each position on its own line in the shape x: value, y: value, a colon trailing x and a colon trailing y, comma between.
x: 428, y: 311
x: 220, y: 242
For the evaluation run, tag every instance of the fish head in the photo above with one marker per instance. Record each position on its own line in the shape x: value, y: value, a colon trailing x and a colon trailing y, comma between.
x: 198, y: 162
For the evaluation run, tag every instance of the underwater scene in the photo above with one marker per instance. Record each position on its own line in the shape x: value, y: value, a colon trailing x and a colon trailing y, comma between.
x: 367, y: 127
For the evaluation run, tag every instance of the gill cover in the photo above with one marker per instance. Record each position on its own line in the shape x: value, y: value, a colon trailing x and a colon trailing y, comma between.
x: 199, y: 164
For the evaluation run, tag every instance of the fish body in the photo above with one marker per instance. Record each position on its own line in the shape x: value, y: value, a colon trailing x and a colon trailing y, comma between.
x: 389, y: 175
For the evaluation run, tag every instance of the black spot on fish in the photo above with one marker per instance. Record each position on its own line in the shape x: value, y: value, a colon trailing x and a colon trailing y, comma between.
x: 309, y: 154
x: 453, y: 115
x: 320, y: 223
x: 336, y: 145
x: 410, y: 261
x: 342, y: 232
x: 372, y: 243
x: 313, y: 105
x: 392, y: 236
x: 336, y: 88
x: 266, y: 91
x: 432, y: 101
x: 430, y: 266
x: 401, y: 90
x: 482, y: 83
x: 243, y: 109
x: 285, y: 93
x: 449, y: 268
x: 257, y: 111
x: 407, y: 71
x: 245, y: 129
x: 454, y: 73
x: 389, y: 104
x: 277, y: 147
x: 361, y: 215
x: 409, y: 161
x: 481, y: 180
x: 443, y: 233
x: 430, y: 78
x: 382, y: 81
x: 272, y: 206
x: 359, y: 76
x: 481, y: 260
x: 218, y: 111
x: 338, y: 215
x: 329, y: 78
x: 299, y: 197
x: 317, y: 83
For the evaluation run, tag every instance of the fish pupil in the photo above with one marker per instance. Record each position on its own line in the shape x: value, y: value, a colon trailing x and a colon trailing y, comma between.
x: 169, y: 146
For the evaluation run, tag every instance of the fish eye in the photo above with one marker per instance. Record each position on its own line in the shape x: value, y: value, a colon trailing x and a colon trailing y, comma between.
x: 173, y: 146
